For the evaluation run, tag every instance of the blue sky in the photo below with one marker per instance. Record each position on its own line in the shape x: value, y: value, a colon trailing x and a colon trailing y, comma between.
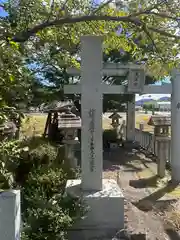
x: 2, y: 12
x: 153, y: 96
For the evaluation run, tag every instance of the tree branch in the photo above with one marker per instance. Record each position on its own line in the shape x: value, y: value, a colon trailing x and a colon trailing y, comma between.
x: 162, y: 32
x: 24, y: 36
x: 163, y: 15
x: 144, y: 28
x: 51, y: 11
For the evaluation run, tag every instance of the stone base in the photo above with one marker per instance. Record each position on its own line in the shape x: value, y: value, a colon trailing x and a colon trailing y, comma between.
x: 113, y: 145
x: 10, y: 215
x: 105, y: 216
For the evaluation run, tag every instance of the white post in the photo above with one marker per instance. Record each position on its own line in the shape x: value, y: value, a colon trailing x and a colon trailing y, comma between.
x: 91, y: 113
x: 175, y: 126
x: 141, y: 128
x: 124, y: 129
x: 10, y: 215
x: 130, y: 132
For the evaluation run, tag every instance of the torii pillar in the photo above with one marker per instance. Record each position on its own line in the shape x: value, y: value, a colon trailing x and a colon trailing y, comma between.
x: 175, y: 126
x: 130, y: 120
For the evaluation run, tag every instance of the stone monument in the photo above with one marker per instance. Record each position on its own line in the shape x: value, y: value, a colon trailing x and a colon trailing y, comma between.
x: 10, y: 215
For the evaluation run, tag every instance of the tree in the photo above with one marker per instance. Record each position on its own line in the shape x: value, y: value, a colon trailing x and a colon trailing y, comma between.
x: 46, y: 34
x: 143, y: 27
x: 15, y: 77
x: 42, y: 94
x: 57, y: 77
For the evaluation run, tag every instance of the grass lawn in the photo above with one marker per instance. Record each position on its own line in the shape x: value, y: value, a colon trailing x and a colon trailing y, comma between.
x: 34, y: 124
x: 139, y: 118
x: 144, y: 118
x: 107, y: 123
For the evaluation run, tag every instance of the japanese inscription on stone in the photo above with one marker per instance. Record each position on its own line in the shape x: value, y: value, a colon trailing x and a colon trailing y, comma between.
x: 136, y: 80
x: 131, y: 125
x: 178, y: 106
x: 91, y: 147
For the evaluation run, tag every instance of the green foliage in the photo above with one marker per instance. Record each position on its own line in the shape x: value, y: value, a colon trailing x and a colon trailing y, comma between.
x: 40, y: 154
x: 144, y: 29
x: 10, y: 113
x: 10, y: 155
x: 40, y: 39
x: 46, y: 213
x: 44, y: 183
x: 15, y: 78
x: 149, y: 106
x: 34, y: 167
x: 51, y: 219
x: 45, y: 153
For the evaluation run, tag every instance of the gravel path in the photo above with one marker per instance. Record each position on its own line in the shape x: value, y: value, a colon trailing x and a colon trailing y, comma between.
x: 140, y: 216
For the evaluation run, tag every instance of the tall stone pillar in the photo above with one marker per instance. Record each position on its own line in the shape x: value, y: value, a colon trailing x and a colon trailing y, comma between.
x: 175, y: 125
x: 130, y: 125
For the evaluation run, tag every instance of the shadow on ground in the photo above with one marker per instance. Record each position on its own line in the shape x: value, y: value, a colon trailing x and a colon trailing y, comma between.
x: 144, y: 182
x: 173, y: 235
x: 149, y: 203
x: 139, y: 236
x: 115, y: 158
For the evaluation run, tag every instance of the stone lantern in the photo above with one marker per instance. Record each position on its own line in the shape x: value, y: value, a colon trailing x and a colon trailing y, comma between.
x: 69, y: 123
x: 162, y: 140
x: 115, y: 119
x: 161, y: 125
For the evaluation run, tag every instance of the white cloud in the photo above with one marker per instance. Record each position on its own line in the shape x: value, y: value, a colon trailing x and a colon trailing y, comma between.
x: 153, y: 96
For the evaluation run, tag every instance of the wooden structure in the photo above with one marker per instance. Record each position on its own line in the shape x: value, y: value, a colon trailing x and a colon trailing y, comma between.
x: 161, y: 125
x: 60, y: 118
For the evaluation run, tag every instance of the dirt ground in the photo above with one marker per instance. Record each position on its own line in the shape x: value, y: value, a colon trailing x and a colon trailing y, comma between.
x: 151, y: 205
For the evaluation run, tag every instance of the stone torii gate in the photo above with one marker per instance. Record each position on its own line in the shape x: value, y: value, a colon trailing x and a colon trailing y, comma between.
x: 104, y: 196
x: 92, y: 90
